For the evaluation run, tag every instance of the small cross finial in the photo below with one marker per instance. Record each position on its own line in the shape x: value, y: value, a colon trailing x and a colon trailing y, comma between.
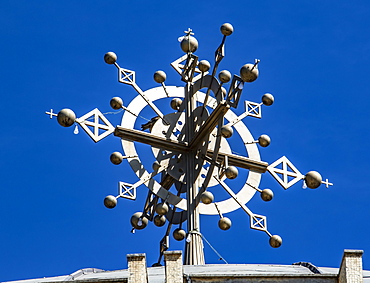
x: 189, y: 32
x: 327, y: 184
x: 51, y: 113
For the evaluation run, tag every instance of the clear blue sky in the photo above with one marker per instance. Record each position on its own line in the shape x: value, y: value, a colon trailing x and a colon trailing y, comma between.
x: 315, y: 60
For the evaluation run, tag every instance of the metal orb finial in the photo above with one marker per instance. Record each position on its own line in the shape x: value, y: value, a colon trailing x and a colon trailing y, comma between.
x: 110, y: 201
x: 138, y: 222
x: 224, y: 223
x: 227, y: 29
x: 116, y: 158
x: 275, y: 241
x: 267, y: 99
x: 313, y: 179
x: 176, y: 103
x: 110, y: 58
x: 189, y: 44
x: 264, y: 140
x: 159, y: 220
x: 161, y: 208
x: 224, y: 76
x: 267, y: 195
x: 116, y: 103
x: 207, y: 197
x: 160, y: 77
x: 66, y: 117
x: 231, y: 172
x: 179, y: 234
x: 227, y: 131
x: 249, y: 73
x: 204, y: 66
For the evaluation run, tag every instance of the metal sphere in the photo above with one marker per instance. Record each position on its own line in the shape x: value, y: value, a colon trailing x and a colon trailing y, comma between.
x: 224, y: 223
x: 116, y: 103
x: 267, y: 195
x: 313, y: 179
x: 227, y: 131
x: 267, y: 99
x: 176, y: 103
x: 116, y: 158
x: 159, y: 220
x: 161, y: 208
x: 110, y: 201
x: 227, y: 29
x: 189, y: 44
x: 231, y: 172
x: 204, y: 66
x: 110, y: 58
x: 66, y: 117
x: 138, y: 222
x: 160, y: 77
x: 179, y: 234
x: 264, y: 140
x: 207, y: 197
x: 275, y: 241
x: 249, y: 73
x: 224, y: 76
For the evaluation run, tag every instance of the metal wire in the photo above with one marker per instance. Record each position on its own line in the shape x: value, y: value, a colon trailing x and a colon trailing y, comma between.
x: 216, y: 252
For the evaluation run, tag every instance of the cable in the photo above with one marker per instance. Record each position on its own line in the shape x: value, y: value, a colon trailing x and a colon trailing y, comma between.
x: 217, y: 253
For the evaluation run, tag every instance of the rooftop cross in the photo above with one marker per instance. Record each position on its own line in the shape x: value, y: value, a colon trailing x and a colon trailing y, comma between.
x: 192, y: 157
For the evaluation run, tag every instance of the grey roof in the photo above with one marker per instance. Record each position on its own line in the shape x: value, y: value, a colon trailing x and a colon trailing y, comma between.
x: 156, y: 274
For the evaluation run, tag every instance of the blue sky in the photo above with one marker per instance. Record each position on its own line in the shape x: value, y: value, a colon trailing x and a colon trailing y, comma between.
x: 314, y: 60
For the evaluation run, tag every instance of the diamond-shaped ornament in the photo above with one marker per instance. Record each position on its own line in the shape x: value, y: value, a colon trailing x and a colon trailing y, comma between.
x: 127, y: 190
x: 258, y: 222
x: 126, y: 76
x: 287, y: 175
x: 100, y: 125
x: 180, y: 64
x: 253, y: 109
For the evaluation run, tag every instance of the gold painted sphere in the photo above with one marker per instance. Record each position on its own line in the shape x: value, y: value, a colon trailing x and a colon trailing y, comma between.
x: 138, y: 222
x: 161, y: 208
x: 231, y: 172
x: 207, y: 197
x: 116, y: 103
x: 176, y: 103
x: 268, y: 99
x: 189, y: 44
x: 66, y: 117
x: 227, y: 29
x: 204, y: 66
x: 160, y: 77
x: 313, y: 179
x: 264, y: 140
x: 249, y: 73
x: 227, y: 131
x: 275, y: 241
x: 110, y: 58
x: 179, y: 234
x: 267, y: 195
x: 224, y: 223
x: 224, y: 76
x: 116, y: 158
x: 159, y: 220
x: 110, y: 201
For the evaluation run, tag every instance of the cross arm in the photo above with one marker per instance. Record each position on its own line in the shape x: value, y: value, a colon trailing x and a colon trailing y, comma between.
x: 241, y: 161
x: 148, y: 138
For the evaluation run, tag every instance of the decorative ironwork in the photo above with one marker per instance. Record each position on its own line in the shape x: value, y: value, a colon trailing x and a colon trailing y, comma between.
x: 191, y: 152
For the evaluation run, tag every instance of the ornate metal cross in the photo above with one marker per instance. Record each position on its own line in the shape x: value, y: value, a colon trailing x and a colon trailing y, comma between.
x: 191, y: 153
